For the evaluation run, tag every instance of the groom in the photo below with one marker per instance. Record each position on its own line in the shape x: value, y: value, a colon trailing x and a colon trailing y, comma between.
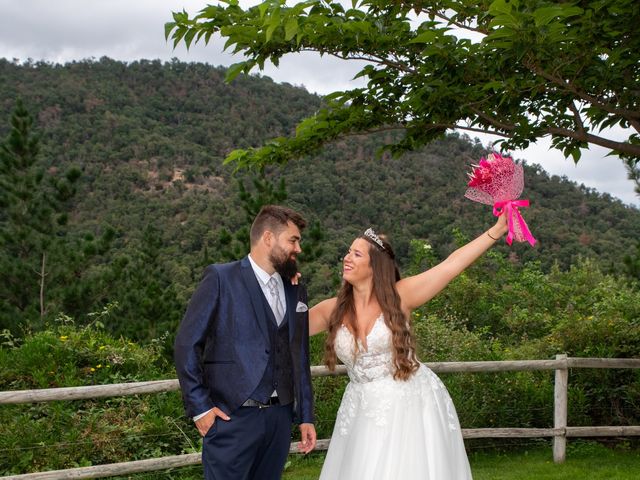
x: 242, y: 355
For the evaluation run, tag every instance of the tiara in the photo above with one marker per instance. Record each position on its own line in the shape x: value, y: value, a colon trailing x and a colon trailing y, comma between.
x: 370, y: 234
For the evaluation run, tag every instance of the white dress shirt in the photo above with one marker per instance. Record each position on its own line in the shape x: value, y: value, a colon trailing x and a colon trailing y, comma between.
x: 263, y: 278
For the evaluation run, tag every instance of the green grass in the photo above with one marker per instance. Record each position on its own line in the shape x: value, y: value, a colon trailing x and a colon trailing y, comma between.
x: 585, y: 461
x: 303, y: 467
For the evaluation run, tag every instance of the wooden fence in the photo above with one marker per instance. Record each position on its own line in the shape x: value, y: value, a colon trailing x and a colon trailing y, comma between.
x: 560, y: 431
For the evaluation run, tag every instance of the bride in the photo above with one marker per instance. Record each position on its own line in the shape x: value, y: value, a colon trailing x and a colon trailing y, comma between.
x: 396, y: 419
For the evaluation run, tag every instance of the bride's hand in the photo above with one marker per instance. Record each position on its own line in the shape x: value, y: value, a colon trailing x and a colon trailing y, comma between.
x: 500, y: 228
x: 295, y: 279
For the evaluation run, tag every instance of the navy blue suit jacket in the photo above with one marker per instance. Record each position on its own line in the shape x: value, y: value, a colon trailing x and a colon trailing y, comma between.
x: 221, y: 349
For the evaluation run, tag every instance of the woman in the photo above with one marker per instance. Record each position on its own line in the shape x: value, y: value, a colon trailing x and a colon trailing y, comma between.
x: 396, y: 419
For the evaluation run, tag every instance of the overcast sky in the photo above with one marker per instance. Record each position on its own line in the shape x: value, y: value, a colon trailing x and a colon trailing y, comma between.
x: 65, y: 30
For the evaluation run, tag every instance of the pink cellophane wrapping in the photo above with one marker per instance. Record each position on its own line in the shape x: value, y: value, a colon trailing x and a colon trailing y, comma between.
x: 498, y: 181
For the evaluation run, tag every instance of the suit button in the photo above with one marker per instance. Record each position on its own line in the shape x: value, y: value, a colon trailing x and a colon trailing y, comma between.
x: 266, y: 351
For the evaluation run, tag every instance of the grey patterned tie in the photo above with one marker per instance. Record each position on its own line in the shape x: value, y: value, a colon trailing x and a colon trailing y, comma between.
x: 276, y: 305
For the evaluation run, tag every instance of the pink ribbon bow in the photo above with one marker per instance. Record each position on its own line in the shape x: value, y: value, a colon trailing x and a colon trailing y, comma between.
x: 518, y: 228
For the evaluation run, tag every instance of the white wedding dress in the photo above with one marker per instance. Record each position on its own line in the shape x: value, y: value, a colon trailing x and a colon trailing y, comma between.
x: 388, y: 429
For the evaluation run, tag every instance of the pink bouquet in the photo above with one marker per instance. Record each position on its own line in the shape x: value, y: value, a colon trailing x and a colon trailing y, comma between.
x: 498, y: 181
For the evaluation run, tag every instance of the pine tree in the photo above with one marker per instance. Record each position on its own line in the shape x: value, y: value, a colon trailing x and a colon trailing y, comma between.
x: 632, y: 263
x: 32, y: 219
x: 232, y: 246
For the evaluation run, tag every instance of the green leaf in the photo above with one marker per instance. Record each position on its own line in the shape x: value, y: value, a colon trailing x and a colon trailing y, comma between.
x: 576, y: 154
x: 273, y: 22
x: 188, y: 38
x: 181, y: 17
x: 235, y: 70
x: 305, y: 125
x: 177, y: 35
x: 502, y: 7
x: 235, y: 156
x: 572, y: 11
x: 543, y: 16
x: 270, y: 31
x: 333, y: 96
x: 427, y: 36
x: 230, y: 41
x: 290, y: 28
x: 167, y: 29
x: 496, y: 85
x: 262, y: 8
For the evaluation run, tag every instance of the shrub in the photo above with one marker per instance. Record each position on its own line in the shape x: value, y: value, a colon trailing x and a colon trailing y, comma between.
x: 67, y: 434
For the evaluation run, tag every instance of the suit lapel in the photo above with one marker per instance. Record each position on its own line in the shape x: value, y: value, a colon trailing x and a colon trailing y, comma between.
x: 290, y: 293
x: 255, y: 295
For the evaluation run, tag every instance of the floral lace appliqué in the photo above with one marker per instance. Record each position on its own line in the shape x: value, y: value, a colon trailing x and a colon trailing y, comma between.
x: 372, y: 390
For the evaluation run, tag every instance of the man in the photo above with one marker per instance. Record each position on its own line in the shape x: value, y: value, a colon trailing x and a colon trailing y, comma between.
x: 242, y: 355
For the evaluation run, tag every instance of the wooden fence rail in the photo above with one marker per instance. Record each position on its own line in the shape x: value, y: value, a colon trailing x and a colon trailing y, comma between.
x: 560, y: 431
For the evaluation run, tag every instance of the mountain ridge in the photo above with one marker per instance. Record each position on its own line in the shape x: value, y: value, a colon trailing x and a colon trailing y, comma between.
x: 150, y: 137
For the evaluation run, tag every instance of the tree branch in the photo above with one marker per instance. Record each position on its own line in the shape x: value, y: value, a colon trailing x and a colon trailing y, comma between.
x: 622, y: 147
x: 628, y: 115
x: 492, y: 120
x: 581, y: 134
x: 457, y: 24
x: 451, y: 126
x: 378, y: 60
x: 42, y: 275
x: 576, y: 116
x: 384, y: 128
x: 483, y: 130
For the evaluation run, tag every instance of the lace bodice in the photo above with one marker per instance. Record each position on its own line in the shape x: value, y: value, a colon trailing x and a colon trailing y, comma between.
x: 372, y: 391
x: 366, y: 365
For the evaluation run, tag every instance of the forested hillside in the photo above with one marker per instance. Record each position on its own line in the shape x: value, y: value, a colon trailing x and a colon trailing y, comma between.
x: 153, y: 202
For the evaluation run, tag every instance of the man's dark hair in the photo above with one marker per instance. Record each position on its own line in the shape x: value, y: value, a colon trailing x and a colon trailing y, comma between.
x: 275, y: 218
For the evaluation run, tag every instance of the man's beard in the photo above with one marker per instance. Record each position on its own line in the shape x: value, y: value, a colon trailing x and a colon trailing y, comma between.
x: 286, y: 266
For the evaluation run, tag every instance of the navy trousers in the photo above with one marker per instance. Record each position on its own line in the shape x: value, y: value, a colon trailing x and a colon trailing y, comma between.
x: 253, y: 445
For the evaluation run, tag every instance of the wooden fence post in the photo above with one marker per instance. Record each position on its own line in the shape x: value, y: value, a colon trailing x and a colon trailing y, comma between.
x: 560, y: 401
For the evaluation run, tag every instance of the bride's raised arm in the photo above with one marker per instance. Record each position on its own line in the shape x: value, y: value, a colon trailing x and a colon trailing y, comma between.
x: 319, y: 315
x: 418, y: 289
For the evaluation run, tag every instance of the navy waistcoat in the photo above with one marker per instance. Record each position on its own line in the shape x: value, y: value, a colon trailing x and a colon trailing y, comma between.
x: 278, y: 374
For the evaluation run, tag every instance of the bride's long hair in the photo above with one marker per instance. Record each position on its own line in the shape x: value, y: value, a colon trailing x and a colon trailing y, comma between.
x: 385, y: 276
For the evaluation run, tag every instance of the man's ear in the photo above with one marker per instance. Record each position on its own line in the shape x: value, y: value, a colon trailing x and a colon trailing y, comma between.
x: 268, y: 238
